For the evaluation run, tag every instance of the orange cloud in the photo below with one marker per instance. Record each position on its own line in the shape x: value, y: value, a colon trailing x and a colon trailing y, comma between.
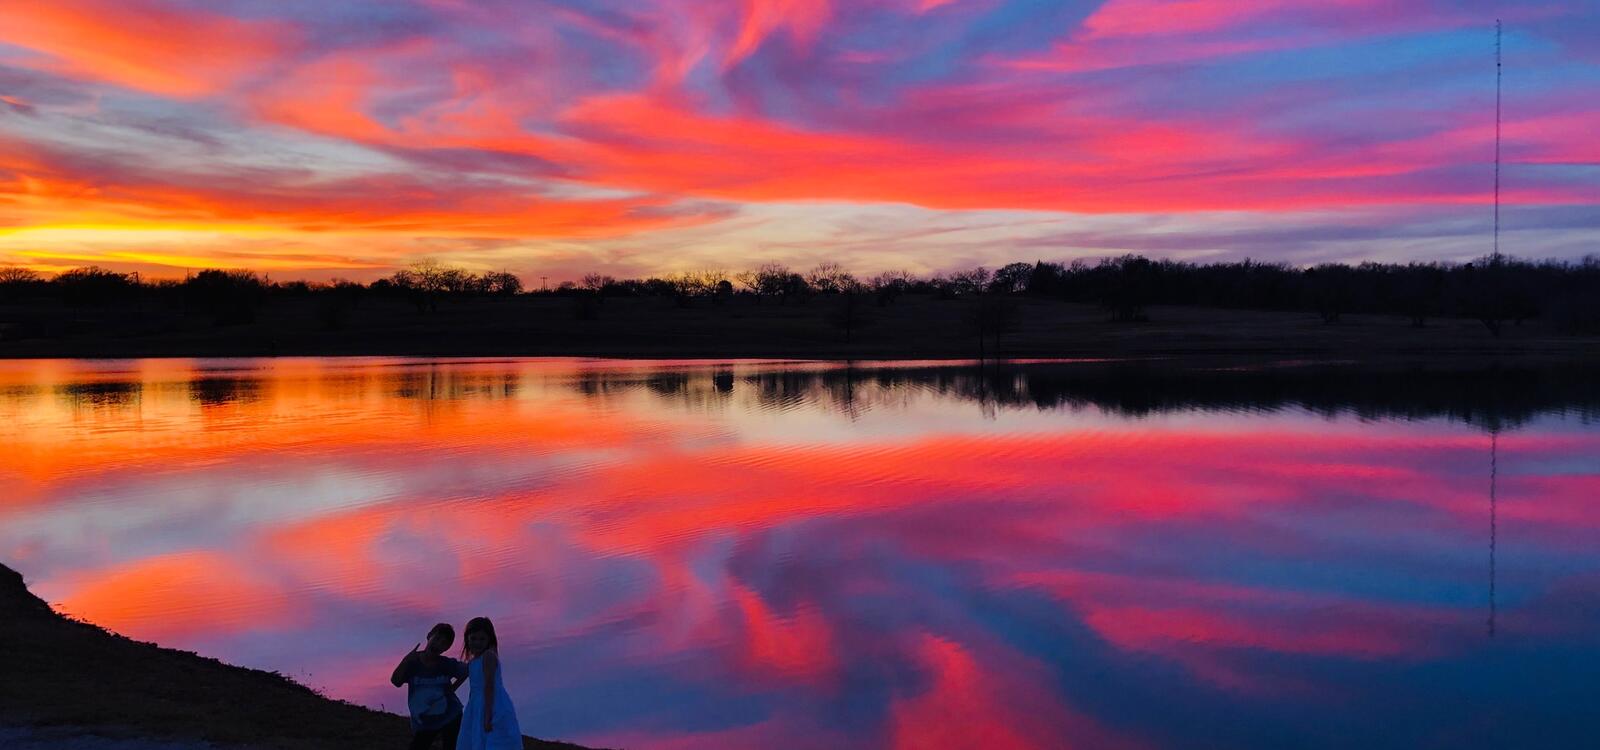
x: 144, y: 44
x: 59, y: 192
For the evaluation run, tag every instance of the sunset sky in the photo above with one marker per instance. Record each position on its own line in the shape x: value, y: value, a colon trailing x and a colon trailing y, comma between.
x: 320, y: 139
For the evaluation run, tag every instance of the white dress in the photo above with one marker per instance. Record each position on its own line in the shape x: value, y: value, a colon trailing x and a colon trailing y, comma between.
x: 506, y: 734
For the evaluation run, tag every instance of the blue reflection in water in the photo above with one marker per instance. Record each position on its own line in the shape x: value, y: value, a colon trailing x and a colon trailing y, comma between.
x: 771, y: 554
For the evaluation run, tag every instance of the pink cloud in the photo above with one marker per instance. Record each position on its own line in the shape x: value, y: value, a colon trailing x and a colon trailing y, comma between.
x: 147, y: 44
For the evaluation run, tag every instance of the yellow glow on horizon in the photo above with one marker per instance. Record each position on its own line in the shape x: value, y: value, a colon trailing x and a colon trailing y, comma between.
x: 254, y: 263
x: 55, y: 248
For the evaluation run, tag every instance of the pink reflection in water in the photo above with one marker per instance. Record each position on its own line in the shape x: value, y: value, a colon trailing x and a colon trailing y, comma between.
x: 672, y: 564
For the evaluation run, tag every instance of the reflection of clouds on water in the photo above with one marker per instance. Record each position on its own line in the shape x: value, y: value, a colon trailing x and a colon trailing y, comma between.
x: 684, y: 556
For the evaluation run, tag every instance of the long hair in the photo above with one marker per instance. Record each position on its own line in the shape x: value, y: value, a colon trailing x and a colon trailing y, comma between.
x: 475, y: 625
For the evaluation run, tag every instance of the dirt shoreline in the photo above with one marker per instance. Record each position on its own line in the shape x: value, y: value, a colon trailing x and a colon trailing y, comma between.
x: 69, y: 681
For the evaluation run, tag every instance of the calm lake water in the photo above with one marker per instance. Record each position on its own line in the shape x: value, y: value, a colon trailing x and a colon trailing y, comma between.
x: 804, y: 555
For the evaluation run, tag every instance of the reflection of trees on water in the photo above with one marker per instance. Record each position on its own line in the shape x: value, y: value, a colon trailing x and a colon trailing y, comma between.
x: 1492, y: 398
x: 443, y: 383
x: 698, y: 389
x: 105, y: 394
x: 213, y: 391
x: 845, y: 390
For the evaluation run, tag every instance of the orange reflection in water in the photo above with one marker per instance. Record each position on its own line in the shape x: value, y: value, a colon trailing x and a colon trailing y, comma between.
x: 163, y: 416
x: 673, y: 567
x: 172, y: 597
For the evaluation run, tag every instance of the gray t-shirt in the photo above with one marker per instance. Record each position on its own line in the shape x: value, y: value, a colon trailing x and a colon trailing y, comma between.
x: 428, y: 693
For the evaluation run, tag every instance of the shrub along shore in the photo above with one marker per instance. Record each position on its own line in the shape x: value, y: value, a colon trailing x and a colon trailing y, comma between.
x: 65, y: 675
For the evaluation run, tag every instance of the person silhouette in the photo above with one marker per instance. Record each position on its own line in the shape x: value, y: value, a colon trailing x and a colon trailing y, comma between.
x: 431, y: 679
x: 489, y: 721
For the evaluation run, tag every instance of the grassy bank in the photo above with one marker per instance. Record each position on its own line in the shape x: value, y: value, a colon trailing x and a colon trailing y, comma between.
x: 914, y: 326
x: 64, y: 673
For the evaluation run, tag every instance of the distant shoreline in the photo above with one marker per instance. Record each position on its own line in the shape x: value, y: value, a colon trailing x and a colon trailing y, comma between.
x: 90, y: 682
x: 911, y: 328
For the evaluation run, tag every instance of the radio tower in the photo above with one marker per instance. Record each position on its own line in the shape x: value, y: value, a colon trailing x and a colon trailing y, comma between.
x: 1496, y: 139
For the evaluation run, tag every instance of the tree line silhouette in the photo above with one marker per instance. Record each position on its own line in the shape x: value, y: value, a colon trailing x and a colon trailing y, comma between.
x: 1495, y: 290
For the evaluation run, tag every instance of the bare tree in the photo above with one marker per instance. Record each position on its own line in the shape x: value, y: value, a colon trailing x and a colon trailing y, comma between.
x: 771, y: 278
x: 426, y: 281
x: 16, y: 282
x: 828, y: 278
x: 685, y: 287
x: 889, y: 285
x: 503, y: 283
x: 776, y: 280
x: 709, y: 280
x: 18, y: 275
x: 596, y: 285
x: 749, y: 281
x: 970, y: 281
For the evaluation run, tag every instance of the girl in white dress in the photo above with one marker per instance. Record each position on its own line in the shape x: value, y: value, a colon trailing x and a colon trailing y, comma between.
x: 489, y: 721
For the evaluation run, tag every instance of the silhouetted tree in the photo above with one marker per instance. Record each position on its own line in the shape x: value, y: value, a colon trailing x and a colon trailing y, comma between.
x: 1127, y: 286
x: 709, y: 282
x: 750, y: 283
x: 1419, y: 291
x: 970, y: 281
x: 229, y: 297
x: 17, y: 282
x: 1483, y: 292
x: 352, y: 292
x: 597, y: 285
x: 501, y: 283
x: 685, y: 287
x: 828, y: 278
x: 1011, y: 278
x: 776, y: 280
x: 18, y: 275
x: 94, y: 286
x: 426, y: 282
x: 1046, y: 279
x: 889, y: 285
x: 1329, y: 287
